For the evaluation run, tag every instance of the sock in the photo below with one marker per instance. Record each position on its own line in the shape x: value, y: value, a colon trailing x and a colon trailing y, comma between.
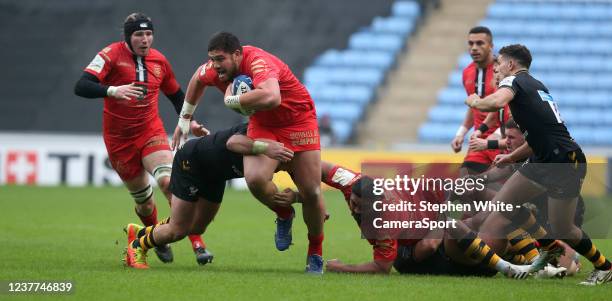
x: 587, y: 249
x: 315, y: 244
x: 475, y: 248
x: 144, y: 231
x: 196, y: 241
x: 522, y: 246
x: 146, y: 241
x: 283, y: 212
x: 149, y: 220
x: 524, y: 219
x: 517, y: 259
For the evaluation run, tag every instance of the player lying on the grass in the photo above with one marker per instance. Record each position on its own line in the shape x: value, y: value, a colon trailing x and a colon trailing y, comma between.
x: 129, y: 75
x: 414, y: 255
x: 279, y: 109
x: 548, y: 141
x: 199, y: 173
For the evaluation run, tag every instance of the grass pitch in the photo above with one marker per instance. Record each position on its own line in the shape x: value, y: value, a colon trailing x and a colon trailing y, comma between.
x: 76, y: 234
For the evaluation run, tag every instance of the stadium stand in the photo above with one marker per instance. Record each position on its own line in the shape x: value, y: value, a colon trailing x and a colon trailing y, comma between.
x: 344, y: 82
x: 57, y: 39
x: 571, y: 46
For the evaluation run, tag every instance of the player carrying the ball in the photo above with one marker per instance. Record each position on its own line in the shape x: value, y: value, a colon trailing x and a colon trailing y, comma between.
x: 281, y: 110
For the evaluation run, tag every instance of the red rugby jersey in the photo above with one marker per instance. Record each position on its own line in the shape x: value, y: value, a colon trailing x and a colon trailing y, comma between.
x: 296, y: 103
x: 481, y: 81
x: 116, y: 65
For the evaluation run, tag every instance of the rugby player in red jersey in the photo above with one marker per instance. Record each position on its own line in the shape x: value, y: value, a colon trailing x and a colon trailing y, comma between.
x: 478, y: 77
x: 281, y: 110
x: 129, y: 76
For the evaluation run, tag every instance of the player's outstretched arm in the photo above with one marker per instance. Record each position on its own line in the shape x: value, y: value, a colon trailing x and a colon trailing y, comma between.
x: 195, y: 90
x: 521, y: 153
x: 266, y: 96
x: 492, y: 102
x: 89, y: 86
x: 457, y: 142
x: 244, y: 145
x: 372, y: 267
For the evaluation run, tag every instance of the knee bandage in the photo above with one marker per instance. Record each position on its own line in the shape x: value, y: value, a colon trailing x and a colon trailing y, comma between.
x: 143, y: 195
x: 160, y: 171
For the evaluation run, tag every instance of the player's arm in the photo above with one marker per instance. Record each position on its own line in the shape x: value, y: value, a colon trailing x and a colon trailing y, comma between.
x: 195, y: 90
x: 171, y: 88
x: 492, y: 102
x: 521, y: 153
x: 493, y: 141
x: 457, y: 142
x: 372, y: 267
x: 385, y: 252
x: 244, y: 145
x: 89, y: 86
x: 490, y: 121
x: 266, y: 96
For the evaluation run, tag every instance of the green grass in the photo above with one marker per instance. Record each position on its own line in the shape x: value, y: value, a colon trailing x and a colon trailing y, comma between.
x: 75, y: 234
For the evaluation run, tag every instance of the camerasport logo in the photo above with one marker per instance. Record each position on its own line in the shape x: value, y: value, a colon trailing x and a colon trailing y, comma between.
x: 21, y: 167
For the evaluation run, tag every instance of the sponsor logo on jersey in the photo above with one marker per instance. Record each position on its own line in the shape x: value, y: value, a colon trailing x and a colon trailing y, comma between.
x: 156, y: 70
x: 343, y: 176
x: 193, y: 190
x: 97, y: 64
x: 545, y: 96
x: 507, y: 81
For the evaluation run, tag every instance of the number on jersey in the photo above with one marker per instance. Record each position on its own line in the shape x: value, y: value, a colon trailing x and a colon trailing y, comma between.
x: 553, y: 106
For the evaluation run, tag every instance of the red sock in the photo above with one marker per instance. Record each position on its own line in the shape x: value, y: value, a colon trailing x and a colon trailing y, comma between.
x: 283, y: 212
x: 196, y: 241
x: 315, y: 244
x: 149, y: 220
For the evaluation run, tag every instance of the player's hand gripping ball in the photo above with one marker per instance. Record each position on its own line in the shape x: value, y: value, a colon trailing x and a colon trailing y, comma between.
x: 242, y: 84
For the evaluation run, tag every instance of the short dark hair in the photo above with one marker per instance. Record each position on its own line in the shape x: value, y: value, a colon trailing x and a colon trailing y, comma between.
x: 224, y: 41
x: 518, y: 52
x: 511, y: 124
x: 482, y: 29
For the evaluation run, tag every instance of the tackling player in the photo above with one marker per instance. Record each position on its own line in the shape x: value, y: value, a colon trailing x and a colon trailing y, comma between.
x: 558, y: 166
x: 281, y: 110
x: 199, y: 173
x: 478, y: 77
x: 129, y: 76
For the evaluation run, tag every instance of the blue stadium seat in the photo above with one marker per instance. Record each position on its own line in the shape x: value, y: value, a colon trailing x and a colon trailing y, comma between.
x: 341, y: 94
x: 406, y: 9
x: 373, y: 41
x: 342, y: 130
x: 394, y: 25
x: 447, y: 114
x: 464, y: 61
x: 452, y: 96
x: 455, y: 79
x: 326, y: 75
x: 356, y: 58
x: 437, y: 132
x: 344, y: 111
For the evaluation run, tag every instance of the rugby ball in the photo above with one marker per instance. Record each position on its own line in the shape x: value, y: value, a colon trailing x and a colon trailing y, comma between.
x: 242, y: 84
